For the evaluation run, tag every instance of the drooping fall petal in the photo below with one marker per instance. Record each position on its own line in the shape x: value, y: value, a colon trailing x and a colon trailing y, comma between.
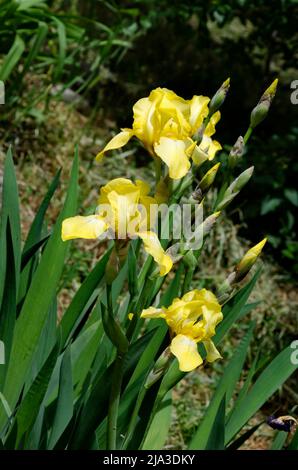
x: 173, y: 153
x: 89, y: 227
x: 153, y: 247
x: 153, y: 312
x: 116, y: 142
x: 212, y: 353
x: 186, y: 351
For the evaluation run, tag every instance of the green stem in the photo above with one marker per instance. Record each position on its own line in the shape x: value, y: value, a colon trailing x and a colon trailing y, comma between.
x: 247, y: 134
x: 114, y: 402
x: 187, y: 280
x: 157, y: 164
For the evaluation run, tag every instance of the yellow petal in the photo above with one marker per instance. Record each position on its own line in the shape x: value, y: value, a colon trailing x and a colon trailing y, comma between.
x: 153, y: 247
x: 212, y: 353
x: 212, y: 316
x: 209, y: 147
x: 124, y: 209
x: 199, y: 156
x: 186, y: 351
x: 198, y: 111
x: 143, y: 187
x: 121, y: 186
x: 146, y: 120
x: 90, y: 227
x: 210, y: 129
x: 173, y: 153
x: 152, y: 312
x: 214, y: 147
x: 116, y: 142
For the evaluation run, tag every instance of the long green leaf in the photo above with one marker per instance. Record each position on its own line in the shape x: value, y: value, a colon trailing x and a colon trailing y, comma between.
x: 279, y: 440
x: 275, y: 374
x: 216, y: 439
x: 8, y: 306
x: 38, y: 300
x: 29, y: 407
x: 10, y: 209
x: 225, y: 387
x: 157, y: 434
x: 12, y: 58
x: 64, y: 409
x: 73, y: 313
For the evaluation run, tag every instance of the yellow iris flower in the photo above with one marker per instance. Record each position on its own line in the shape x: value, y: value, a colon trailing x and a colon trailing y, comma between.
x: 165, y: 124
x: 191, y: 319
x: 124, y: 209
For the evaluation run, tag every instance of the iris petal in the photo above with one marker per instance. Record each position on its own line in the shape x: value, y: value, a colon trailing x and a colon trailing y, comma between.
x: 186, y: 351
x: 116, y: 142
x: 173, y: 153
x: 90, y: 227
x: 153, y: 247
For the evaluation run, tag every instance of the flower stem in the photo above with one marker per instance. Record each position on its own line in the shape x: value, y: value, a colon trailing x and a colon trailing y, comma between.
x: 247, y: 135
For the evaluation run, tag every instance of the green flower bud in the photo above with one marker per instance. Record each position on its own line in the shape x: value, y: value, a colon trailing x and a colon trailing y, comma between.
x: 205, y: 183
x: 248, y: 260
x: 209, y: 222
x: 159, y: 368
x: 114, y: 331
x: 219, y: 97
x: 241, y: 180
x: 260, y: 111
x: 234, y: 188
x: 236, y: 152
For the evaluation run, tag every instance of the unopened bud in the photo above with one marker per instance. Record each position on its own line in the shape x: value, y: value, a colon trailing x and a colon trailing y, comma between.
x: 174, y: 252
x: 209, y: 222
x: 235, y: 187
x: 248, y: 260
x: 260, y: 111
x: 219, y: 97
x: 114, y: 330
x: 205, y: 183
x: 236, y: 151
x: 197, y: 238
x: 159, y: 368
x: 241, y: 180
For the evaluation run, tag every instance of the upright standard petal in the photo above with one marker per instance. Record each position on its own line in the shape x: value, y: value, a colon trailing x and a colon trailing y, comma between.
x: 146, y: 124
x: 198, y: 110
x: 153, y: 247
x: 116, y: 142
x: 174, y: 153
x: 186, y: 351
x: 90, y: 227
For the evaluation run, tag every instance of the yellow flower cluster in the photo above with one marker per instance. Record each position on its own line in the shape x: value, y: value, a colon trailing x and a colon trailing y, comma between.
x: 175, y: 131
x: 191, y: 319
x: 118, y: 209
x: 165, y: 124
